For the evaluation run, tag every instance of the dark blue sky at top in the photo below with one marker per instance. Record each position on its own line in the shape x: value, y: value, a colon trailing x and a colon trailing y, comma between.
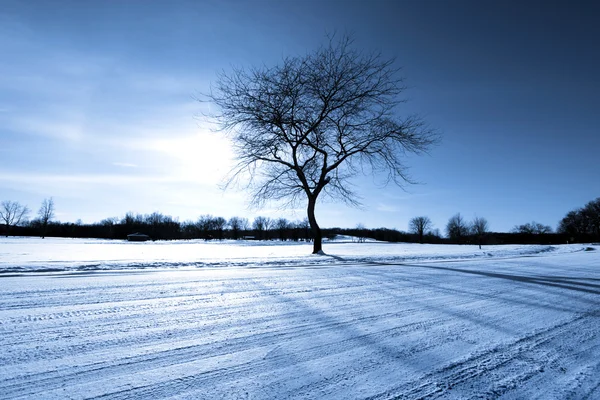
x: 513, y: 87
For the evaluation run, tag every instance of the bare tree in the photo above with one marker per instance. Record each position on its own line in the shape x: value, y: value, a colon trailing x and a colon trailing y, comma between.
x: 573, y: 224
x: 244, y: 224
x: 420, y: 225
x: 282, y: 225
x: 479, y: 227
x: 218, y: 225
x: 304, y: 228
x: 261, y: 225
x: 306, y: 127
x: 237, y: 225
x: 532, y: 228
x: 592, y: 215
x: 435, y: 233
x: 457, y: 228
x: 361, y: 232
x: 234, y: 227
x: 211, y: 226
x: 130, y: 219
x: 582, y: 223
x: 46, y: 214
x: 12, y: 214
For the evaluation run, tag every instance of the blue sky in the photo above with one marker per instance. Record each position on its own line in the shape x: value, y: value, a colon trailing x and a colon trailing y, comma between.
x: 97, y: 104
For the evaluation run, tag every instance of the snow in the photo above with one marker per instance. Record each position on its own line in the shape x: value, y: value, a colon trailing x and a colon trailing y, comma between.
x: 193, y: 320
x: 64, y: 254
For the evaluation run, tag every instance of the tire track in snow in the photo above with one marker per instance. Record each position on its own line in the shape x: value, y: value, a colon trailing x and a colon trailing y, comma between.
x: 271, y: 363
x: 441, y: 382
x: 118, y: 320
x: 135, y: 302
x: 42, y: 383
x: 340, y: 293
x: 271, y: 328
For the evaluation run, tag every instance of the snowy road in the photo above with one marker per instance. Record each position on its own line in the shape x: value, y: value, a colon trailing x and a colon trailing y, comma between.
x: 523, y: 327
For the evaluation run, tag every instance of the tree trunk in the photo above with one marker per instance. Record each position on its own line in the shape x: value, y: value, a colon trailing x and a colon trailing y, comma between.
x: 318, y: 236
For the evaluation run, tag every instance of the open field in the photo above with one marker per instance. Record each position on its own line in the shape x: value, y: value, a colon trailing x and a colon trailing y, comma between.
x: 372, y: 321
x: 32, y: 254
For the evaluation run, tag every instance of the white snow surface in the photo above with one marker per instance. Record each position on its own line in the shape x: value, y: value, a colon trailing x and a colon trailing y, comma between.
x: 82, y: 319
x: 62, y: 254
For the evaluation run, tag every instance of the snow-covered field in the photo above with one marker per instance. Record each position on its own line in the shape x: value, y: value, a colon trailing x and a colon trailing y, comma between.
x: 193, y: 320
x: 57, y: 254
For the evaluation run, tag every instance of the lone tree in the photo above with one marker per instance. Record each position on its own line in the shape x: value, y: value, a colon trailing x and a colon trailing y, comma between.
x: 420, y: 225
x: 305, y: 127
x: 479, y: 227
x: 45, y: 214
x: 12, y: 214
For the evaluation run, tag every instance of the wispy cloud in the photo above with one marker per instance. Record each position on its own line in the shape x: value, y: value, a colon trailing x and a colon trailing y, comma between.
x: 386, y: 208
x: 109, y: 179
x: 64, y: 130
x: 124, y: 165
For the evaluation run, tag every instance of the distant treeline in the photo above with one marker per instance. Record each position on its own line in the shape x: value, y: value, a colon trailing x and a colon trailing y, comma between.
x: 578, y: 226
x: 164, y: 227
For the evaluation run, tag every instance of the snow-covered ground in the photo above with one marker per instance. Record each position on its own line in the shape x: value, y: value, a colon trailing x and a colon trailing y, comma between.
x: 58, y: 254
x: 86, y: 319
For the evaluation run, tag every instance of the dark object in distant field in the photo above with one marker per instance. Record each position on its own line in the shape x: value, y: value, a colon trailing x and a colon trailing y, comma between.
x: 137, y: 237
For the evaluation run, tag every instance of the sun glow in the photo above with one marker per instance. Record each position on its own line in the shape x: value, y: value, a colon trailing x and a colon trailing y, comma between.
x: 201, y: 157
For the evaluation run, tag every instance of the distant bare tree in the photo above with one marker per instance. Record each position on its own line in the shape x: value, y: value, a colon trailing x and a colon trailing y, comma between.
x: 582, y: 223
x: 156, y: 218
x: 304, y: 227
x: 532, y: 228
x: 237, y: 225
x: 244, y: 224
x: 306, y: 127
x: 109, y: 221
x: 46, y: 214
x: 592, y: 215
x: 573, y: 224
x: 218, y: 225
x: 12, y: 214
x: 234, y: 227
x: 130, y: 219
x: 457, y: 228
x: 420, y: 225
x: 361, y: 232
x: 435, y: 233
x: 109, y: 224
x: 479, y: 228
x: 281, y: 225
x: 211, y: 227
x: 261, y: 225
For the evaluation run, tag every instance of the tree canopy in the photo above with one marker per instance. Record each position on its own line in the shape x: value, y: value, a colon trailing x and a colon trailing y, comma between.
x: 305, y: 127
